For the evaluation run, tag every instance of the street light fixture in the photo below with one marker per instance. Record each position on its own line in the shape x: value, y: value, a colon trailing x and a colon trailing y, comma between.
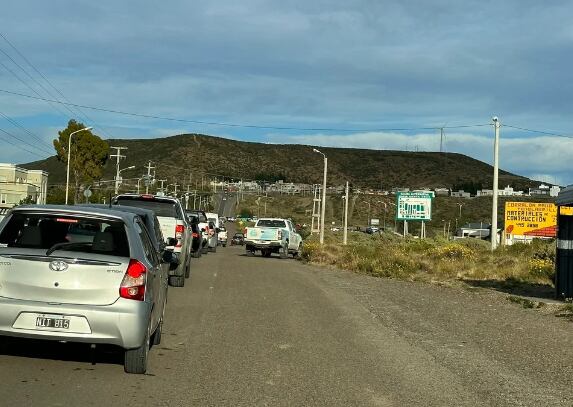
x: 368, y: 203
x: 323, y: 205
x: 69, y: 148
x: 117, y: 177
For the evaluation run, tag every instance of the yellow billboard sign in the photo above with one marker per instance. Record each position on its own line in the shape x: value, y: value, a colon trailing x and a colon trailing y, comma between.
x: 531, y: 219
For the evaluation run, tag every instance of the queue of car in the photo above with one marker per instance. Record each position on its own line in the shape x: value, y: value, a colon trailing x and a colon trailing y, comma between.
x: 98, y: 274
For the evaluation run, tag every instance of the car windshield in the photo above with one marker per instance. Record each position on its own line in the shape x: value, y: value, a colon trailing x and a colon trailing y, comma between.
x: 238, y: 235
x: 66, y: 232
x: 166, y: 209
x: 271, y: 223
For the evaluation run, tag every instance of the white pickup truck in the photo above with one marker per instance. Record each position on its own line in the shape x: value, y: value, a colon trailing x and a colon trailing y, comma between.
x: 273, y: 235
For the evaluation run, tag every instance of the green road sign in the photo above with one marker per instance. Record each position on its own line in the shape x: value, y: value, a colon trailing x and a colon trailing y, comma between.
x: 414, y: 206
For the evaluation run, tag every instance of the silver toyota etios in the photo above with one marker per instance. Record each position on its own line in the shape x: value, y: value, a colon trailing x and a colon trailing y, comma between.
x: 79, y: 274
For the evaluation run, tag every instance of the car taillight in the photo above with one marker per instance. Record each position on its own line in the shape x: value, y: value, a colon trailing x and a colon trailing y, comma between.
x: 133, y: 284
x: 280, y: 235
x: 179, y: 229
x: 195, y: 234
x: 245, y: 232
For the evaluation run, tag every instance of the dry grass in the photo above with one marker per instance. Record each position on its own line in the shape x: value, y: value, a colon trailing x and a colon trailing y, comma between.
x: 436, y: 259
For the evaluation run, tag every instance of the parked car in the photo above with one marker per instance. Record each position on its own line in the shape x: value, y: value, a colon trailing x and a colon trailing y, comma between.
x: 273, y: 235
x: 372, y: 229
x: 238, y: 239
x: 222, y: 236
x: 110, y: 288
x: 203, y: 224
x: 173, y: 224
x: 149, y: 219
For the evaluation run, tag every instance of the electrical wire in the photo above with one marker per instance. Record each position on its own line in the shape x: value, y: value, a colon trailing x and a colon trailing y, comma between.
x: 48, y: 82
x: 16, y: 124
x: 248, y: 126
x: 547, y: 133
x: 17, y: 145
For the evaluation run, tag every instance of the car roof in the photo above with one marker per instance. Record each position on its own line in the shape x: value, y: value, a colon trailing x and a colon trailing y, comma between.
x: 123, y: 208
x: 76, y: 209
x: 150, y: 197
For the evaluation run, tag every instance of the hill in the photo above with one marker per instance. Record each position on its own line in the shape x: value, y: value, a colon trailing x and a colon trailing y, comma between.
x: 194, y: 155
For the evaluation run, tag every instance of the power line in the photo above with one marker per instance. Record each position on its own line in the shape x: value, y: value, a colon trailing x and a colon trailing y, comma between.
x: 248, y: 126
x: 47, y: 81
x: 16, y: 124
x: 547, y: 133
x: 17, y: 145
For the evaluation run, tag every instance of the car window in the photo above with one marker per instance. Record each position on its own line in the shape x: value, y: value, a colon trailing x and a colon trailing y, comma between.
x: 271, y: 223
x: 167, y: 209
x: 74, y: 233
x: 148, y: 248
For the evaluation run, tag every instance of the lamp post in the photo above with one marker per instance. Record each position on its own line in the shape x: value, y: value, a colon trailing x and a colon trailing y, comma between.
x: 385, y: 211
x: 117, y: 177
x: 69, y: 148
x: 495, y: 184
x: 323, y: 205
x: 393, y: 204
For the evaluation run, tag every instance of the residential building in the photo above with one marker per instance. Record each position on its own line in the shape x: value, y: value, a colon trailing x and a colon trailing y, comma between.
x: 507, y: 191
x: 545, y: 190
x: 18, y: 184
x: 461, y: 194
x: 478, y: 230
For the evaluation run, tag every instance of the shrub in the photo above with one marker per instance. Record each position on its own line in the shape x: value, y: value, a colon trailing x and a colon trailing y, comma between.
x: 453, y: 251
x: 542, y: 268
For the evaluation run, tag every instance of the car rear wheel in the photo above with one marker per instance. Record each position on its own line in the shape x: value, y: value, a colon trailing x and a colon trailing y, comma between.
x: 188, y: 268
x: 283, y: 252
x: 156, y: 338
x: 135, y: 360
x: 177, y: 281
x: 197, y: 253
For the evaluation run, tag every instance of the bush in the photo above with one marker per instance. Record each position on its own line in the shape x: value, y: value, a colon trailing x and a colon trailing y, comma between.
x: 542, y: 268
x: 453, y: 251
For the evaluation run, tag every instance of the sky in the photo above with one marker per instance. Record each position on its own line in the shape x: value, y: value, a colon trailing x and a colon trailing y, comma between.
x: 365, y: 74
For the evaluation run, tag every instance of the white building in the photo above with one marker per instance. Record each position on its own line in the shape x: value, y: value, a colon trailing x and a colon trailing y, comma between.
x: 18, y: 184
x: 545, y: 190
x: 507, y: 191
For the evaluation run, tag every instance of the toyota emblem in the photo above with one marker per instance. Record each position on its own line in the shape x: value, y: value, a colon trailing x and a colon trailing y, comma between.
x: 58, y: 265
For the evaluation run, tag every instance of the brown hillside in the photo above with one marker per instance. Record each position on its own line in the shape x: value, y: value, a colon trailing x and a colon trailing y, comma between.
x: 182, y: 156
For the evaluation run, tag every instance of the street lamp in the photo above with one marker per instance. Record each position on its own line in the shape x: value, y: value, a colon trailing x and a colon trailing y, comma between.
x: 69, y: 148
x: 118, y: 176
x: 385, y: 211
x: 323, y: 206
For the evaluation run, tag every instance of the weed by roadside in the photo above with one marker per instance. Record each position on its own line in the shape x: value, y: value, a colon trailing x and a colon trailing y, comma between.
x: 387, y: 255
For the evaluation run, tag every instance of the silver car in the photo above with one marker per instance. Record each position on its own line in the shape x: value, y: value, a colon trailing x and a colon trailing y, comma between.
x: 80, y: 274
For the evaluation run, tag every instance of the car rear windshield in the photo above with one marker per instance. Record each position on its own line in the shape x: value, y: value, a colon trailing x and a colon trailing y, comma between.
x: 166, y: 209
x: 271, y: 223
x: 68, y: 232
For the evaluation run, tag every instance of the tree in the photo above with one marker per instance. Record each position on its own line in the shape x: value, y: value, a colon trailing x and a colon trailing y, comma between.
x: 89, y: 154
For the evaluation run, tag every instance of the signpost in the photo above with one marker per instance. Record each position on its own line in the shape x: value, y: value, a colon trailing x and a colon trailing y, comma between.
x: 415, y: 206
x: 374, y: 222
x: 536, y: 219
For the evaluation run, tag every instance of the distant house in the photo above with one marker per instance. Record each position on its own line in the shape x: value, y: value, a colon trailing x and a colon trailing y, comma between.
x: 507, y: 191
x: 461, y: 194
x: 545, y: 190
x: 442, y: 191
x: 476, y: 230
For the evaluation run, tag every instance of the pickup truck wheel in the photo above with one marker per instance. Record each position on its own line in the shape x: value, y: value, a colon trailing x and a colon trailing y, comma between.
x: 197, y: 253
x: 298, y: 254
x: 188, y: 267
x: 283, y: 252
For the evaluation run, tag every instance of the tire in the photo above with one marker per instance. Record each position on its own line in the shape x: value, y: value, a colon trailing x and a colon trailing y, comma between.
x: 266, y: 253
x: 250, y: 251
x: 177, y: 281
x: 135, y: 360
x: 156, y: 337
x: 197, y: 253
x: 283, y: 252
x: 188, y: 268
x: 214, y: 249
x: 298, y: 254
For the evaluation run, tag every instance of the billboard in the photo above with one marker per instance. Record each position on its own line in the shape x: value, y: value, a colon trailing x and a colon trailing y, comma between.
x: 414, y: 206
x: 531, y: 219
x: 374, y: 222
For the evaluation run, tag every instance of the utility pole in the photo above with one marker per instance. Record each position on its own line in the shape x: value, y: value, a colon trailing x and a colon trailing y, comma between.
x: 441, y: 139
x: 148, y: 181
x: 493, y: 234
x: 118, y: 156
x: 162, y: 181
x: 345, y: 232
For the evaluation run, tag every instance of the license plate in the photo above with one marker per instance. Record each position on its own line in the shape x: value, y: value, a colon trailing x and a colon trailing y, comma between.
x: 60, y: 323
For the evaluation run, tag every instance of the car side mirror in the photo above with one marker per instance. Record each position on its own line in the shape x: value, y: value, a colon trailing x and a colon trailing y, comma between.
x: 171, y: 258
x: 217, y: 230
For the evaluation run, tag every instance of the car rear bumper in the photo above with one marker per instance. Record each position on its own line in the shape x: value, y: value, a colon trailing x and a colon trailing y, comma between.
x: 123, y: 323
x: 262, y: 244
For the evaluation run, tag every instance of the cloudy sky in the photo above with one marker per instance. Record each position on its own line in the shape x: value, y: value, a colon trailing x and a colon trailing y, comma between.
x: 364, y: 73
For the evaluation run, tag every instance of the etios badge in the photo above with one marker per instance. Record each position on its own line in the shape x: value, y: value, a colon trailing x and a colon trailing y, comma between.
x: 58, y: 265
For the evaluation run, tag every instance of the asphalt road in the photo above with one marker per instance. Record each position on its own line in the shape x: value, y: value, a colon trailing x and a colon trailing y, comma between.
x: 252, y: 331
